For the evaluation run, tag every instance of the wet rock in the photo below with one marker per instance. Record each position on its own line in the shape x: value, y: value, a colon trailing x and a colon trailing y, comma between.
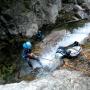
x: 58, y: 80
x: 86, y: 7
x: 81, y: 63
x: 86, y: 4
x: 53, y: 38
x: 79, y: 11
x: 2, y: 81
x: 25, y: 70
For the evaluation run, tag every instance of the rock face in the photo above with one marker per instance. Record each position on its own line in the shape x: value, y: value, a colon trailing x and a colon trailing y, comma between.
x: 80, y: 11
x: 24, y: 17
x: 31, y: 14
x: 58, y: 80
x: 86, y: 1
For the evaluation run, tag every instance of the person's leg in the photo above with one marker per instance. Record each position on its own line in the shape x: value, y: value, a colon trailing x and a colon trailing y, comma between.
x: 37, y: 59
x: 39, y: 62
x: 29, y: 63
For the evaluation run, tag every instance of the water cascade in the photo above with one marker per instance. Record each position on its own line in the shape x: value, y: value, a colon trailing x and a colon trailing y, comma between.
x: 50, y: 62
x: 48, y: 59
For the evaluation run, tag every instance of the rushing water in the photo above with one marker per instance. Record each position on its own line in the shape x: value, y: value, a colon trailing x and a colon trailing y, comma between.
x: 78, y: 34
x: 48, y: 59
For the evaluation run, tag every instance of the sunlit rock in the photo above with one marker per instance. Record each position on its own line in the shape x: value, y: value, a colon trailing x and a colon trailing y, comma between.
x: 33, y: 29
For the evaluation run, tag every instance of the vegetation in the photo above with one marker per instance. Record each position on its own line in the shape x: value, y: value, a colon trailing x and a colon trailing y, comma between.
x: 10, y: 57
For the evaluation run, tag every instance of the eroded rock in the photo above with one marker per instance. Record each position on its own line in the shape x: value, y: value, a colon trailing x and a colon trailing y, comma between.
x: 58, y: 80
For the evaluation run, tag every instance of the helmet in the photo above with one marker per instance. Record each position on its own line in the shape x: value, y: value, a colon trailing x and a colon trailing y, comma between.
x: 27, y: 45
x: 68, y: 52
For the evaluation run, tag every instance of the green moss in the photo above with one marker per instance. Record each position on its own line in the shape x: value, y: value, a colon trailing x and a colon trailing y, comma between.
x: 6, y: 71
x: 87, y: 45
x: 75, y: 25
x: 10, y: 58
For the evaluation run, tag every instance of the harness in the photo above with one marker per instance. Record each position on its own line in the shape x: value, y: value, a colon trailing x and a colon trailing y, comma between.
x: 26, y: 53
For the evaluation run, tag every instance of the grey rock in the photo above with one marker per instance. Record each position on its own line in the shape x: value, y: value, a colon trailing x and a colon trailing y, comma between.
x: 59, y: 80
x: 38, y: 12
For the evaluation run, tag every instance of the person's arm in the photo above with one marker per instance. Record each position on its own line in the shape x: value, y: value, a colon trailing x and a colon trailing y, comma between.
x: 32, y: 56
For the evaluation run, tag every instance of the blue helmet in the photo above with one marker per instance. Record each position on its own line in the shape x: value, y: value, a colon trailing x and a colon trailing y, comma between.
x: 27, y: 45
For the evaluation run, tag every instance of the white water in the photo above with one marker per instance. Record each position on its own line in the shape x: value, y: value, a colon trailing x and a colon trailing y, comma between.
x: 77, y: 35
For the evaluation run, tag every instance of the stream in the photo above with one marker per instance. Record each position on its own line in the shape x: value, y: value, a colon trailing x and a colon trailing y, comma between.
x: 79, y: 34
x: 57, y: 77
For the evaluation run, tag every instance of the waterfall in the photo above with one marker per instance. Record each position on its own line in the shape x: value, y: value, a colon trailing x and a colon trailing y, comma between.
x: 48, y: 58
x: 62, y: 79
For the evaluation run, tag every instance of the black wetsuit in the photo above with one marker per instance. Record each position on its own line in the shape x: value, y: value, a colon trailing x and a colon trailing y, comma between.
x: 27, y: 58
x: 26, y: 53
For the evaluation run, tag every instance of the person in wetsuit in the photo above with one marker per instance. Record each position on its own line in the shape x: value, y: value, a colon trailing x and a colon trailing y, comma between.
x: 28, y: 55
